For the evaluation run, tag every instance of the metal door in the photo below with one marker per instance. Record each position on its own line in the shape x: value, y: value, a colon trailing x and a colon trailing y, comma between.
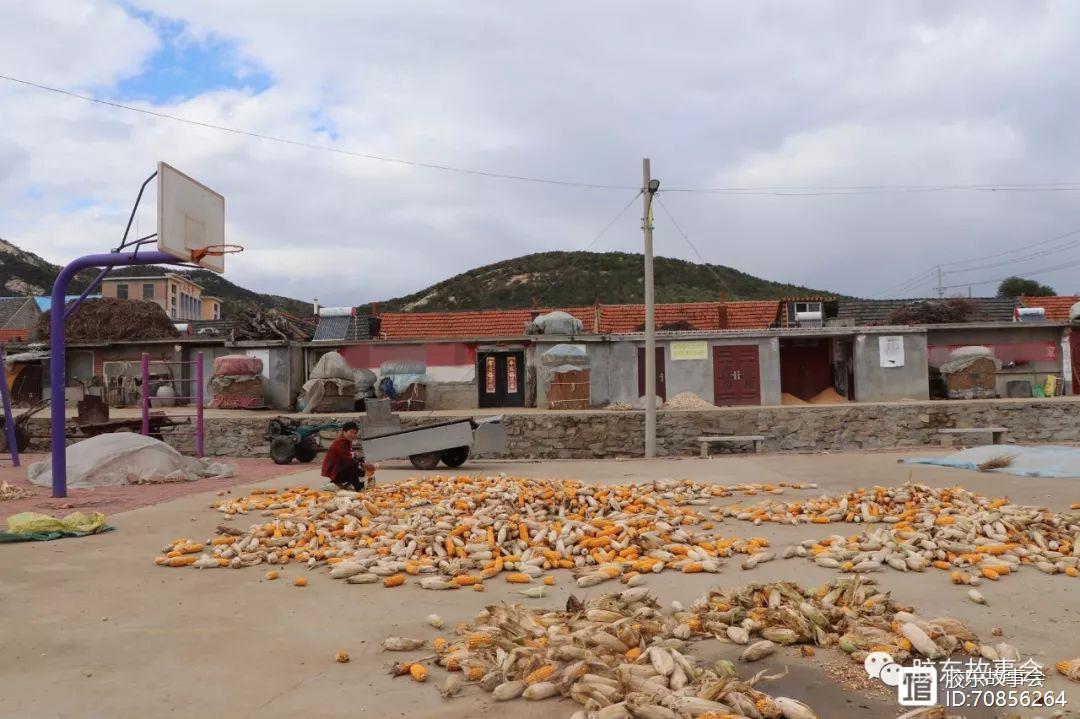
x: 661, y: 386
x: 736, y: 378
x: 501, y: 378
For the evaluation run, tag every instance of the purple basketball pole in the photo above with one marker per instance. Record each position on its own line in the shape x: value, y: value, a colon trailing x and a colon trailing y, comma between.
x: 58, y: 346
x: 9, y: 420
x: 200, y: 441
x: 144, y: 400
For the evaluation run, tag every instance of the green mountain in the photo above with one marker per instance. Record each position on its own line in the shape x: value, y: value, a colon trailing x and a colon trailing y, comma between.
x: 24, y: 273
x: 545, y: 279
x: 550, y: 279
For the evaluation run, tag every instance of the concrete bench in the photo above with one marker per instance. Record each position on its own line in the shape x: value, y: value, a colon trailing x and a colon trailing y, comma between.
x: 996, y: 433
x: 757, y: 439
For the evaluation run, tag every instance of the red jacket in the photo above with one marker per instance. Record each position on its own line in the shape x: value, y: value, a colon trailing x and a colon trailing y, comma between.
x: 339, y: 452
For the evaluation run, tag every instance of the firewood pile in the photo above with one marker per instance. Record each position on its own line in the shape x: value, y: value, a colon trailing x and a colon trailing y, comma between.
x: 254, y: 323
x: 112, y: 319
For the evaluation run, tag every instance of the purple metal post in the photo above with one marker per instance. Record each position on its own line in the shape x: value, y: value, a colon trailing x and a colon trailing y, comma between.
x: 199, y: 434
x: 144, y: 402
x: 58, y: 347
x: 9, y: 421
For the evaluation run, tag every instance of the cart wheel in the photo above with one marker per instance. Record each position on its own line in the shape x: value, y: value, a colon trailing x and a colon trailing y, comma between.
x: 282, y: 449
x: 306, y: 450
x: 427, y: 460
x: 455, y: 457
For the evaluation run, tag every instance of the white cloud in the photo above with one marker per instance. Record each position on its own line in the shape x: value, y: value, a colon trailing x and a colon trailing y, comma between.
x: 841, y: 93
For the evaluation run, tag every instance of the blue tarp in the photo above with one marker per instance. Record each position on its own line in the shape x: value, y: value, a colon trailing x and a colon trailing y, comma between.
x: 1041, y: 461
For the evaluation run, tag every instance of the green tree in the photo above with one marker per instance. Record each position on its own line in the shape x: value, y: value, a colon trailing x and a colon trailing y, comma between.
x: 1017, y: 286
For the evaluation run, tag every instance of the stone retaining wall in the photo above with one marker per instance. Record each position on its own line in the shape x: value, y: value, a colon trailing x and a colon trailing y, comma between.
x: 592, y: 435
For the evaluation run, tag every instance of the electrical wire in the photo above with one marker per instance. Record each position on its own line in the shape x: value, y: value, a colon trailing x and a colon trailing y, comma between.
x: 776, y: 191
x: 823, y: 190
x: 322, y: 148
x: 614, y: 219
x: 690, y: 242
x: 1041, y: 271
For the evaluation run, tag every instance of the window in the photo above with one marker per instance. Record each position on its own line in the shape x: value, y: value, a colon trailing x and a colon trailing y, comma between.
x: 807, y: 307
x: 121, y: 292
x: 148, y: 291
x: 217, y: 312
x: 172, y: 288
x: 172, y: 307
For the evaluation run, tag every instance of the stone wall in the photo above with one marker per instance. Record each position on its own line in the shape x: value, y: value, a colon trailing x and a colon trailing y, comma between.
x: 589, y: 435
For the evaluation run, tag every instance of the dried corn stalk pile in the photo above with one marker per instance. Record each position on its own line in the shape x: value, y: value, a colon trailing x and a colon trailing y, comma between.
x: 619, y: 655
x: 851, y: 613
x: 920, y: 527
x: 10, y: 491
x: 447, y: 527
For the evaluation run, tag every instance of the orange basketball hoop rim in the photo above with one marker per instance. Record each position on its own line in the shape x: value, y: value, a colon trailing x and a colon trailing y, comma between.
x: 215, y: 250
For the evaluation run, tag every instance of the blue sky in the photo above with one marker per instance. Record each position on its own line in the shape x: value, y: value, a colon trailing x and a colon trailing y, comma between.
x: 185, y: 66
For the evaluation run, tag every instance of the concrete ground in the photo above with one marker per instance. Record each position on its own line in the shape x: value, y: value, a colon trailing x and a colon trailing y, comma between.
x: 94, y: 629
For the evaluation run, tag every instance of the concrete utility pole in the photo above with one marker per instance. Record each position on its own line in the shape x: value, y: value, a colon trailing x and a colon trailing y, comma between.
x: 648, y: 189
x: 940, y: 289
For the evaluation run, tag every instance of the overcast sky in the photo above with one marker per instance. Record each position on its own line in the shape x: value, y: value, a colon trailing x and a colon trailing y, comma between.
x: 718, y: 94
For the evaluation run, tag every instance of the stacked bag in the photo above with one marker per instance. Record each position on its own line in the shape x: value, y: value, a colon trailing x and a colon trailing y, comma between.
x: 237, y: 382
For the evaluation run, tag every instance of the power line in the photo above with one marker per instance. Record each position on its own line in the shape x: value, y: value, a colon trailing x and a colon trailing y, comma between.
x: 1042, y: 271
x: 312, y: 146
x: 693, y: 247
x: 1024, y: 258
x: 776, y: 191
x: 912, y: 282
x: 822, y: 190
x: 1010, y: 252
x: 614, y: 219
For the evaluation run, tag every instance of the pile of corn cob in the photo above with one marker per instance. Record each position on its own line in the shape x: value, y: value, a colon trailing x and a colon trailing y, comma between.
x: 620, y: 656
x: 458, y: 531
x: 916, y: 527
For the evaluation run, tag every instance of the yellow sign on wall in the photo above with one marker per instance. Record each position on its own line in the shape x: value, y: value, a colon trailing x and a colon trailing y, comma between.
x: 690, y: 350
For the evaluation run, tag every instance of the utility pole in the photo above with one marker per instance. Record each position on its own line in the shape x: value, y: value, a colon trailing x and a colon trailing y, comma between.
x: 648, y: 189
x: 940, y: 288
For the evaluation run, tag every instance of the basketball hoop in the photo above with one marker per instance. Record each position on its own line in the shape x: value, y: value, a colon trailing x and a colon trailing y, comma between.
x: 214, y: 251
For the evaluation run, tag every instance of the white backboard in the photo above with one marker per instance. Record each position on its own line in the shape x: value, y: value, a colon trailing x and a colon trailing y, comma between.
x: 191, y: 217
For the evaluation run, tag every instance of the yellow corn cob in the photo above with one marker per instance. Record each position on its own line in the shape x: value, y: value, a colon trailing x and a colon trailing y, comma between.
x: 518, y: 578
x: 418, y: 672
x: 481, y: 640
x: 540, y: 674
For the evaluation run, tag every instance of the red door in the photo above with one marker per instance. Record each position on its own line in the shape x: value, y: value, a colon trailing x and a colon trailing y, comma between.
x: 736, y: 378
x: 804, y: 367
x: 661, y: 387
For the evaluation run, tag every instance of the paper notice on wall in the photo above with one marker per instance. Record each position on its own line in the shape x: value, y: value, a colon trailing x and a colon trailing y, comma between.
x: 891, y: 350
x: 689, y: 350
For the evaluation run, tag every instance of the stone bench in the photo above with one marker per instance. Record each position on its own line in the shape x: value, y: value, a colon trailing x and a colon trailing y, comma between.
x: 757, y: 439
x: 996, y: 433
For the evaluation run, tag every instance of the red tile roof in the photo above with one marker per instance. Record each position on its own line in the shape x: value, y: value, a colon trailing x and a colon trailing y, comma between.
x: 1057, y: 308
x: 15, y: 335
x: 621, y: 319
x: 614, y: 319
x: 751, y: 315
x: 478, y: 323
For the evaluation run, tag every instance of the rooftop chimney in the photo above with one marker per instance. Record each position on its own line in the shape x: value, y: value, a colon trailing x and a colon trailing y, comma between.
x: 315, y: 302
x: 722, y: 315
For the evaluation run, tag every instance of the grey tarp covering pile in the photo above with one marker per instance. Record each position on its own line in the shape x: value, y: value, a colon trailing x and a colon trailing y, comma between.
x: 331, y: 376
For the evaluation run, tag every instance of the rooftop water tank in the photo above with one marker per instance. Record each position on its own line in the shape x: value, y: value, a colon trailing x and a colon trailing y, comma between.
x: 1029, y: 314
